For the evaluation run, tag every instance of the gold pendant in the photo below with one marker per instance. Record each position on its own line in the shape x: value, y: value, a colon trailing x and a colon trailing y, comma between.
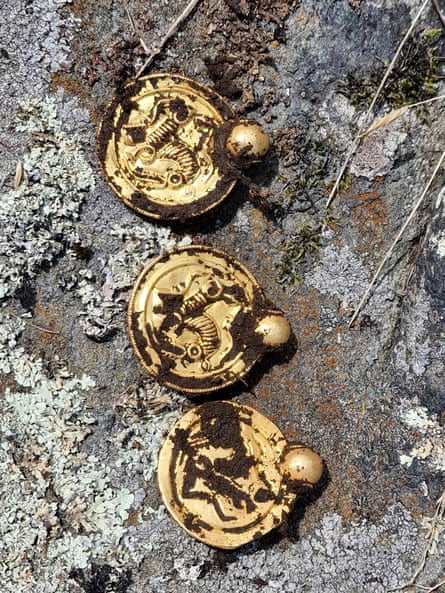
x: 228, y: 476
x: 198, y: 320
x: 170, y: 147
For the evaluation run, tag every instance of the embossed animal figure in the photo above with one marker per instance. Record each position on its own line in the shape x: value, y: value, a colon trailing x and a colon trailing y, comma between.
x: 157, y: 152
x: 216, y: 461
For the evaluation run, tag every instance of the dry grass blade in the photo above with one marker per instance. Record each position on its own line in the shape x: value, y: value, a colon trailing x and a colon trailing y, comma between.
x: 184, y: 14
x: 385, y: 120
x: 18, y: 177
x: 356, y: 140
x: 396, y: 113
x: 397, y: 238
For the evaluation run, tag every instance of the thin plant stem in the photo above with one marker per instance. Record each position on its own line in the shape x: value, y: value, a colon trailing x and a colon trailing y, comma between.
x: 439, y: 12
x: 436, y: 586
x: 357, y: 138
x: 426, y: 101
x: 35, y: 326
x: 184, y: 14
x: 135, y: 29
x: 397, y: 238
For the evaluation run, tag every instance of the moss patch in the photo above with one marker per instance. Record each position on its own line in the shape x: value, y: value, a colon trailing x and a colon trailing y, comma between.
x: 300, y: 249
x: 413, y: 78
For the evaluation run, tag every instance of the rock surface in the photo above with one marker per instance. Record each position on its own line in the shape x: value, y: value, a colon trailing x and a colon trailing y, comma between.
x: 82, y: 423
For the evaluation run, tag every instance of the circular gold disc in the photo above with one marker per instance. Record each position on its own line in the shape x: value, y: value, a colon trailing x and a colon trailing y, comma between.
x: 220, y: 474
x: 155, y: 144
x: 195, y: 319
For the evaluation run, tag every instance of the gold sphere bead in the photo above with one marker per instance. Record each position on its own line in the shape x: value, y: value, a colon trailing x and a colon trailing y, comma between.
x: 302, y: 465
x: 247, y: 140
x: 274, y: 330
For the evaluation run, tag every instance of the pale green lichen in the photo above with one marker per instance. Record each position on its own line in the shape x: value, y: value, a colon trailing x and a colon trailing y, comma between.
x: 63, y: 507
x: 59, y: 505
x: 38, y: 217
x: 43, y: 428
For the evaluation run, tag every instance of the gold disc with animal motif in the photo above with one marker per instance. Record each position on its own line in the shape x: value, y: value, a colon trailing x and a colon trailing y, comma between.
x: 221, y: 476
x: 156, y: 146
x: 198, y: 320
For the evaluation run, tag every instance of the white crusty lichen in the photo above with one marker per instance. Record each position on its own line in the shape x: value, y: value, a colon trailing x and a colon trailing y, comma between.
x: 338, y: 557
x: 145, y: 399
x: 413, y: 352
x: 430, y: 446
x: 38, y: 217
x: 344, y: 276
x: 429, y: 449
x: 341, y: 274
x: 54, y: 49
x: 377, y: 151
x: 438, y: 240
x: 104, y: 297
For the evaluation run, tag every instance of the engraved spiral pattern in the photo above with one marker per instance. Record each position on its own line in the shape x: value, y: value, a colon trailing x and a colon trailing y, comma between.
x: 156, y: 146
